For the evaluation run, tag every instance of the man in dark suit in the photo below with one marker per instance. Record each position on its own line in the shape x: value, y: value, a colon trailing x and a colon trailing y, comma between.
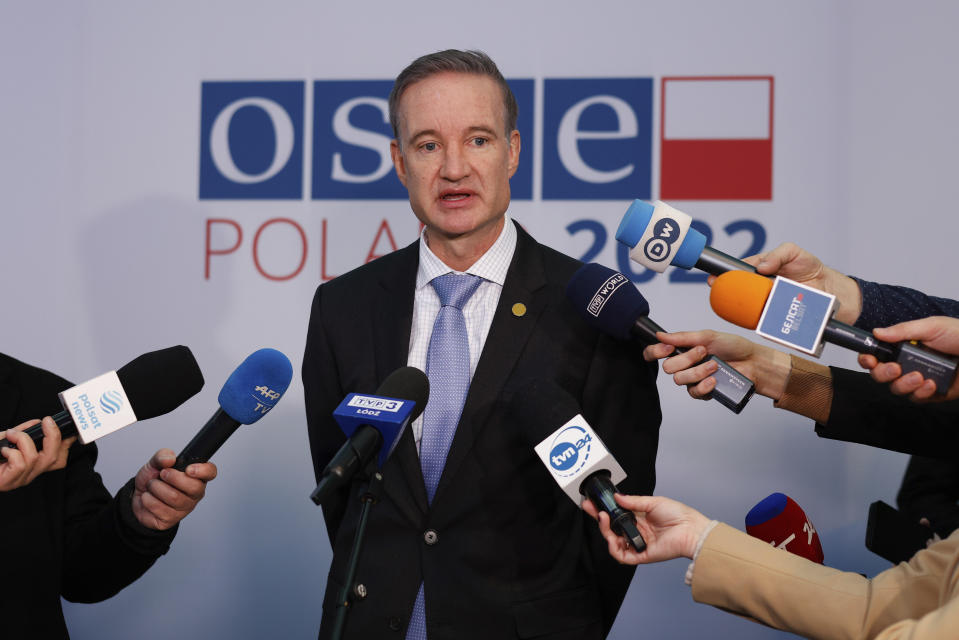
x: 472, y: 538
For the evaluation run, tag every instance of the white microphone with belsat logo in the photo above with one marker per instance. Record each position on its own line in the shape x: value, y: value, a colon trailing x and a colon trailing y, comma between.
x: 800, y: 317
x: 574, y: 454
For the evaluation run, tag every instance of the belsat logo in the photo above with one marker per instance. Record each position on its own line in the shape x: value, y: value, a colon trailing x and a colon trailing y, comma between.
x: 715, y: 139
x: 794, y: 315
x: 569, y: 451
x: 111, y: 401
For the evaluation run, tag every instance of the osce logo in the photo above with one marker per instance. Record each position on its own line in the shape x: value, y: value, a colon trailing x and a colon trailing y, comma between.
x: 597, y: 140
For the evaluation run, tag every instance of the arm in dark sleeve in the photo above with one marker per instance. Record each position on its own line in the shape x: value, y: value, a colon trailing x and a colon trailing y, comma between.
x: 621, y: 403
x: 866, y: 412
x: 322, y: 393
x: 930, y: 489
x: 885, y: 304
x: 105, y: 546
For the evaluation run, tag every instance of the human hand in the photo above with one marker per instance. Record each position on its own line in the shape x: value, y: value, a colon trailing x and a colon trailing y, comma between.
x: 791, y: 261
x: 765, y: 366
x: 671, y: 529
x: 163, y: 496
x: 20, y: 465
x: 937, y: 332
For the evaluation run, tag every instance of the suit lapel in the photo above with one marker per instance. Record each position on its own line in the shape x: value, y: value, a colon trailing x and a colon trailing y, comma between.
x: 525, y: 284
x: 391, y: 337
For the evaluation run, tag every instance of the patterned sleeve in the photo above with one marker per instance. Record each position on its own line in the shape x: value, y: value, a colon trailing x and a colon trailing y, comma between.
x: 884, y: 305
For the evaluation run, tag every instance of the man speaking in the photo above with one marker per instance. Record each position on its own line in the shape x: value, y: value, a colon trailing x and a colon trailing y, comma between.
x: 472, y: 538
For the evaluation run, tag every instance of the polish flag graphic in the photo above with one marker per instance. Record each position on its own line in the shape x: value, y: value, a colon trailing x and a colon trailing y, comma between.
x: 716, y: 137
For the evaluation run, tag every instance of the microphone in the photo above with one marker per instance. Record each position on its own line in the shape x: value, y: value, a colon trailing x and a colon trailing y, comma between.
x: 610, y: 303
x: 659, y: 236
x: 574, y: 454
x: 248, y: 394
x: 778, y: 520
x: 150, y: 385
x: 370, y: 421
x: 800, y: 317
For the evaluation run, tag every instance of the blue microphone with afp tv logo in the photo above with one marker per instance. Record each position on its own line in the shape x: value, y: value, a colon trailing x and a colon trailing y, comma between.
x: 248, y: 394
x: 574, y: 454
x: 373, y: 424
x: 610, y: 303
x: 659, y: 236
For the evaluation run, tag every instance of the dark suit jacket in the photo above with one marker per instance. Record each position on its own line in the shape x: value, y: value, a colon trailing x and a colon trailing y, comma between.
x: 64, y: 534
x: 513, y: 557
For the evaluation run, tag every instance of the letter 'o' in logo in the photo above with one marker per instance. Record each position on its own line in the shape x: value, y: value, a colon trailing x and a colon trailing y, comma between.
x: 569, y: 451
x: 111, y: 401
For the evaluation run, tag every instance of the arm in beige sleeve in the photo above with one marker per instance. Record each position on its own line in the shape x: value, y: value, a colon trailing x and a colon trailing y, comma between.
x: 791, y: 593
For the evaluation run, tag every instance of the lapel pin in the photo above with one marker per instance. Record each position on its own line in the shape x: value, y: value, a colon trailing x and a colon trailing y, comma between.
x: 519, y: 309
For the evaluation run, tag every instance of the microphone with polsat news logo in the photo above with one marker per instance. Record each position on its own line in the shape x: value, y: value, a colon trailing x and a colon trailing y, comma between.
x: 253, y: 388
x: 148, y: 386
x: 574, y: 454
x: 609, y: 302
x: 780, y: 521
x: 800, y: 317
x: 373, y: 424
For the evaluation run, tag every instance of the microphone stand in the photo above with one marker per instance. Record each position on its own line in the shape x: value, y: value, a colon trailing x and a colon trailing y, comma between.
x: 344, y: 600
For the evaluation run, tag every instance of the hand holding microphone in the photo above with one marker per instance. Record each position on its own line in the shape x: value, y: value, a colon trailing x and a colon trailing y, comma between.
x: 610, y: 302
x: 800, y: 317
x: 162, y: 495
x: 20, y: 463
x: 936, y: 332
x: 671, y: 529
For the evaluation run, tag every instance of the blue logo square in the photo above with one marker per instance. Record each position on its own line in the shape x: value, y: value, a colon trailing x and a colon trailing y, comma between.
x: 251, y: 140
x: 597, y: 138
x: 351, y: 141
x: 796, y: 315
x: 521, y: 184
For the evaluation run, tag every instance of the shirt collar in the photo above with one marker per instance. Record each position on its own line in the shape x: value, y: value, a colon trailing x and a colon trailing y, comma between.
x: 491, y: 266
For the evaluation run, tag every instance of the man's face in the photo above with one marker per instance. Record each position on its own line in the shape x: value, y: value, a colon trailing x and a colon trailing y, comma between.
x: 454, y: 157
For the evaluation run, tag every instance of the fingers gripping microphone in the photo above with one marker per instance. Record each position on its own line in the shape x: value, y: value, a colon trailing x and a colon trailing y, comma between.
x: 778, y: 520
x: 248, y: 394
x: 610, y: 303
x: 373, y: 424
x: 150, y: 385
x: 800, y: 317
x: 574, y: 454
x: 659, y: 236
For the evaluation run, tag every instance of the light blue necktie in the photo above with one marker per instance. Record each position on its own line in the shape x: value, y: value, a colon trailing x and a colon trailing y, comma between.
x: 448, y: 368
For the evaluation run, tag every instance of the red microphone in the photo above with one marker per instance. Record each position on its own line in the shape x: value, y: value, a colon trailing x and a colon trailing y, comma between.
x: 778, y: 520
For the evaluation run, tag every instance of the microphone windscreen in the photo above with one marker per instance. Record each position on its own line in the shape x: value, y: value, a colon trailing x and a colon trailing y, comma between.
x: 739, y: 297
x: 407, y: 383
x: 256, y: 385
x: 607, y: 299
x: 160, y: 381
x: 634, y: 223
x: 780, y: 521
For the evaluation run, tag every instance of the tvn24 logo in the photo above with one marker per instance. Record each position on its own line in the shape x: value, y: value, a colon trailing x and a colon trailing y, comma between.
x: 715, y: 139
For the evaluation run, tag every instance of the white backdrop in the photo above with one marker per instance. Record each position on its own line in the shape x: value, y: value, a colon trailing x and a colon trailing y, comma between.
x: 104, y: 238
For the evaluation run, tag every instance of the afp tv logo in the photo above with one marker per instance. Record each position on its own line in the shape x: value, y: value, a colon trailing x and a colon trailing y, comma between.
x: 329, y: 139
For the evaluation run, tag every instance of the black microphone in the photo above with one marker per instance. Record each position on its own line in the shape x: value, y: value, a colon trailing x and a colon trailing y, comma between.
x: 150, y: 385
x: 610, y: 302
x: 574, y: 454
x: 249, y: 393
x: 370, y: 421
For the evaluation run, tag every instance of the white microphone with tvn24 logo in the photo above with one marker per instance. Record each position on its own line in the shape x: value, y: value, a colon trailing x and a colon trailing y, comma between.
x: 575, y: 455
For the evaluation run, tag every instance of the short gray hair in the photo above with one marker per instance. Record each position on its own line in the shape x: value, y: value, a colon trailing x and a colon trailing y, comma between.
x: 456, y: 61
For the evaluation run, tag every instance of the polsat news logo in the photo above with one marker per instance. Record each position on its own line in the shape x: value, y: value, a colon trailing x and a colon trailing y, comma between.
x: 715, y: 139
